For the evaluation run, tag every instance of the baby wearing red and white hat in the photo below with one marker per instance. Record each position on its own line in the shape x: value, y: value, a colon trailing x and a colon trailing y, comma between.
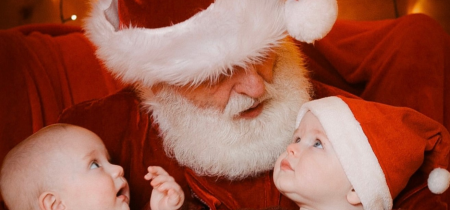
x: 354, y: 154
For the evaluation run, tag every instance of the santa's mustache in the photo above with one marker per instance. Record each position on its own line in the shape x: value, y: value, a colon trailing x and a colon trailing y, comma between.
x: 239, y: 103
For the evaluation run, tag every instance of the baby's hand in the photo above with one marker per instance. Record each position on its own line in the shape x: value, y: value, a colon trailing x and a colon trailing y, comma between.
x: 166, y: 194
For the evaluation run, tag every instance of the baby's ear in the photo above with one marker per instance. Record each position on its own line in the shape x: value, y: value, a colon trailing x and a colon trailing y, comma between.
x: 353, y: 198
x: 50, y: 201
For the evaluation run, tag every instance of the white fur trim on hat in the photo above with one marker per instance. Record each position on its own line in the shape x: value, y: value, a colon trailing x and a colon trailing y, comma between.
x: 228, y: 34
x: 309, y: 20
x: 438, y: 180
x: 225, y: 35
x: 353, y: 150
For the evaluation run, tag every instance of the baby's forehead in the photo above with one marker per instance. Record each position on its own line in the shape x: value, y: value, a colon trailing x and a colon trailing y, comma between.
x: 49, y: 150
x: 73, y: 135
x: 68, y: 140
x: 308, y: 120
x: 73, y: 155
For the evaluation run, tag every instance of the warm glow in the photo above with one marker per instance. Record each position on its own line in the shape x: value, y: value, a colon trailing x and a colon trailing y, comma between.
x: 418, y: 7
x: 73, y: 17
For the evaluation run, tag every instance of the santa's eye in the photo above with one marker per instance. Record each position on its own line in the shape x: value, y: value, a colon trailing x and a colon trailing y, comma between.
x: 318, y: 144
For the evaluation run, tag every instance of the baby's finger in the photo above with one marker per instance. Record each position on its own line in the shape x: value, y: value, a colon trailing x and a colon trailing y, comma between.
x: 154, y: 171
x: 158, y: 180
x: 157, y: 170
x: 166, y: 187
x: 149, y: 176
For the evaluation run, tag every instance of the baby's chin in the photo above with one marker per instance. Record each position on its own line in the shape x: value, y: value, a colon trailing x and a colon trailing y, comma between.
x: 125, y: 205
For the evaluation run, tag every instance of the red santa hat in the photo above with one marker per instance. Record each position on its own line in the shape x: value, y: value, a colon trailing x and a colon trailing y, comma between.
x: 380, y: 147
x: 191, y: 41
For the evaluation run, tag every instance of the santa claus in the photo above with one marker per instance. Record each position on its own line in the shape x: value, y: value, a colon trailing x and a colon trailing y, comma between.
x: 214, y: 91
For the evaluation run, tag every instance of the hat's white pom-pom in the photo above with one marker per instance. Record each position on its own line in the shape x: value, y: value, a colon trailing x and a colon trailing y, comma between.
x: 309, y: 20
x: 439, y: 180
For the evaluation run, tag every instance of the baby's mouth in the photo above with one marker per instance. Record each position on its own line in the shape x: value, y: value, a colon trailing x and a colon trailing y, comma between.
x: 285, y: 165
x: 124, y: 193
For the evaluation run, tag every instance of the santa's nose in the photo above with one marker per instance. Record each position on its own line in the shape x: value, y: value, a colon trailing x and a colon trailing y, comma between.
x: 251, y: 81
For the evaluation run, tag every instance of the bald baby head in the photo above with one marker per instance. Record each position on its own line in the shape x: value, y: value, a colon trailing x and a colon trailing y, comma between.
x: 33, y: 166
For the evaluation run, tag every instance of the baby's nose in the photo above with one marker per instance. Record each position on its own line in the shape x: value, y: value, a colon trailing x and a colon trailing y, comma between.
x: 117, y: 171
x: 292, y: 149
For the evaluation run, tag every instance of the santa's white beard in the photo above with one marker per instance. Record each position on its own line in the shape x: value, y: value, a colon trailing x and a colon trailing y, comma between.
x: 214, y: 143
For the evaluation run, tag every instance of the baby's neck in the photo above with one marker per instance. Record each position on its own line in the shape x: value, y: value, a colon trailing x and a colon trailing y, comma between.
x: 334, y: 207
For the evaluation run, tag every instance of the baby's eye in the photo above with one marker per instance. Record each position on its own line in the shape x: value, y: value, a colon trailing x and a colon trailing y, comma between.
x: 297, y: 140
x: 318, y: 144
x: 94, y: 164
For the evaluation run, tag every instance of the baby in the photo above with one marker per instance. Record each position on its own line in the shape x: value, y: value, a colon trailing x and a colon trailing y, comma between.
x: 67, y: 167
x: 353, y: 154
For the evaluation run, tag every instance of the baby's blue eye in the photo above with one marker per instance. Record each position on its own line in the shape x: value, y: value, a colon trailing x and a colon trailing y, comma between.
x: 318, y: 144
x: 94, y: 164
x: 297, y: 140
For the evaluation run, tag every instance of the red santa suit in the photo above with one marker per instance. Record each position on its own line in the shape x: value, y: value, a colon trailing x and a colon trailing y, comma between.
x: 134, y: 142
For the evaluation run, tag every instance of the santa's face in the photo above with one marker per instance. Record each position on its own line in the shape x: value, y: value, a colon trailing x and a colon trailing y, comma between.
x: 248, y: 82
x: 239, y: 125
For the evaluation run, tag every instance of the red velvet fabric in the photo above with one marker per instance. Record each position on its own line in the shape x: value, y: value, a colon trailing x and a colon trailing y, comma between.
x: 158, y: 13
x: 402, y: 62
x: 44, y: 69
